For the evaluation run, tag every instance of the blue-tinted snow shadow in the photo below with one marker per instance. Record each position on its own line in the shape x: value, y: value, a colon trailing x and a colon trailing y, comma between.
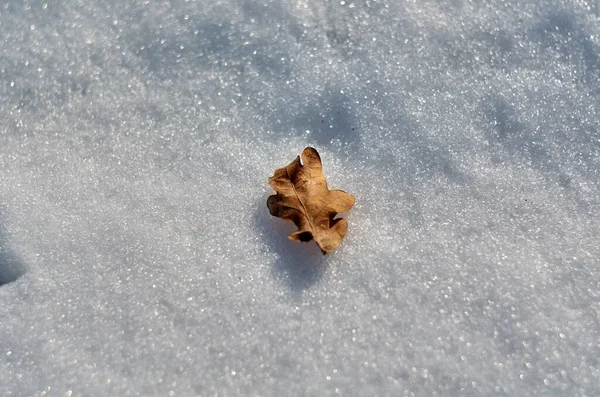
x: 326, y: 122
x: 511, y: 138
x: 299, y: 265
x: 560, y: 31
x: 206, y: 44
x: 11, y: 267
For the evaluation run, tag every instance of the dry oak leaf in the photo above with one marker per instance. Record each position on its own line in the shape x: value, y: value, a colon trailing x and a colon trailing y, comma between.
x: 304, y: 199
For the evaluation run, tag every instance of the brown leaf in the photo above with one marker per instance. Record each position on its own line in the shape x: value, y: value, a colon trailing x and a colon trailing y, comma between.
x: 303, y: 198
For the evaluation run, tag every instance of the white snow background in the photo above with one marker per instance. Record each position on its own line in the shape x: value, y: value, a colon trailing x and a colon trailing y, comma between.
x: 137, y: 255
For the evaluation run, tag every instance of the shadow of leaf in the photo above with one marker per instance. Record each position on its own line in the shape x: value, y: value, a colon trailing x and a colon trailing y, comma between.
x: 299, y: 265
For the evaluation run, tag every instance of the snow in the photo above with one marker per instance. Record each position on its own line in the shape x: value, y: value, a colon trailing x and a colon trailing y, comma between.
x: 137, y: 255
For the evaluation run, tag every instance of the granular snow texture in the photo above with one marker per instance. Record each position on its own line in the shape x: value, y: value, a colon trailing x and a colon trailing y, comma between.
x: 137, y: 255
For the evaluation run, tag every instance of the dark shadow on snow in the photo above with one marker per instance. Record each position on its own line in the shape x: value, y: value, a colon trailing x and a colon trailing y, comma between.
x: 328, y: 121
x: 299, y: 265
x: 560, y: 31
x: 10, y: 266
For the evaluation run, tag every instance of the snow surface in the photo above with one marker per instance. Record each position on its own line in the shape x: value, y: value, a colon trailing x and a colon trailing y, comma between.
x: 137, y: 255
